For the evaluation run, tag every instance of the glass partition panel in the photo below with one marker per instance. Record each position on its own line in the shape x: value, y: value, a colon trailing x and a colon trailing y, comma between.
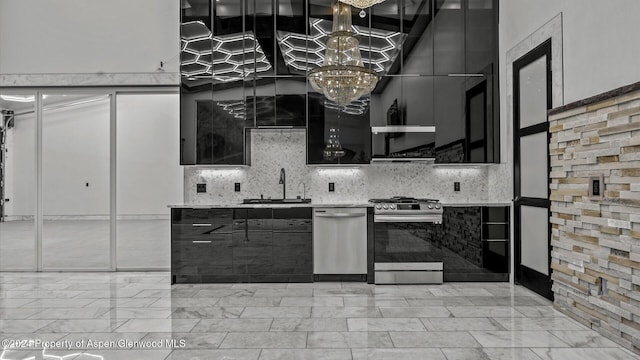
x: 17, y: 181
x: 75, y: 181
x: 149, y: 178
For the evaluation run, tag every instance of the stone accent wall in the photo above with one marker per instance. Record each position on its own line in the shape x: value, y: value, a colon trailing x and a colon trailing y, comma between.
x: 596, y: 240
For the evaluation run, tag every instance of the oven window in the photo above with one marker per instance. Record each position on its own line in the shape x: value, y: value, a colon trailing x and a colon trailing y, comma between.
x: 406, y: 242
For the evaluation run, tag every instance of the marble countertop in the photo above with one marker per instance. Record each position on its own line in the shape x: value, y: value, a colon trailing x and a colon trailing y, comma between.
x: 476, y: 204
x: 315, y: 205
x: 275, y: 206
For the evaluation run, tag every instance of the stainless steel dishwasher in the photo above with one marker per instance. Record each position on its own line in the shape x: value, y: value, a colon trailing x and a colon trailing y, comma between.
x: 339, y: 241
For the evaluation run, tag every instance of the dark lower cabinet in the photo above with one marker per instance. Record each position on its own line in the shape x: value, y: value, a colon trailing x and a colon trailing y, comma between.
x: 293, y: 244
x: 475, y: 243
x: 241, y: 245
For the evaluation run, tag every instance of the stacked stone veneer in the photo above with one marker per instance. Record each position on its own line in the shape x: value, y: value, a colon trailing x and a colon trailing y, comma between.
x: 597, y: 240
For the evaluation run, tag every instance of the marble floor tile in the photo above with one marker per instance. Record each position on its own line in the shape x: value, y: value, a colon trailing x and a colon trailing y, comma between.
x: 232, y: 325
x: 305, y: 354
x: 507, y: 301
x: 583, y: 338
x: 405, y: 291
x: 158, y: 325
x: 343, y: 292
x: 439, y: 301
x: 104, y: 337
x: 125, y: 354
x: 210, y: 340
x: 276, y: 312
x: 125, y: 303
x: 345, y: 312
x: 584, y: 354
x: 309, y: 324
x: 284, y: 292
x: 316, y: 285
x: 41, y: 294
x: 313, y: 301
x: 249, y: 301
x: 539, y: 324
x: 465, y: 291
x: 24, y: 326
x: 379, y: 301
x: 351, y: 339
x: 226, y: 354
x: 82, y: 326
x: 15, y: 303
x: 430, y: 339
x: 412, y: 312
x: 265, y: 340
x: 398, y: 354
x: 224, y: 292
x: 174, y: 302
x: 461, y: 324
x: 485, y: 311
x: 539, y: 311
x: 490, y: 354
x: 57, y: 303
x: 71, y: 313
x: 138, y: 313
x: 385, y: 324
x: 506, y: 339
x: 18, y: 313
x: 259, y: 286
x: 211, y: 312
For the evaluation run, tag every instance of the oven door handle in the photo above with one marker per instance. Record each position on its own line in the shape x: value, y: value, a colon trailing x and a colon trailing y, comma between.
x: 407, y: 218
x: 340, y: 215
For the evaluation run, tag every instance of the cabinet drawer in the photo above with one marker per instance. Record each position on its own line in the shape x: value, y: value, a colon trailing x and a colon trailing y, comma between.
x: 196, y: 257
x: 202, y: 217
x: 184, y: 232
x: 293, y: 225
x: 495, y: 214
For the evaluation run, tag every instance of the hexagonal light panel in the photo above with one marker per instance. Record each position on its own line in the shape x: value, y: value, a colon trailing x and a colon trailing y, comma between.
x: 226, y: 57
x: 379, y: 52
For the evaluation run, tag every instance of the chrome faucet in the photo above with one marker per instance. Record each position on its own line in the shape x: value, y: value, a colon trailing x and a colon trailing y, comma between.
x: 283, y: 181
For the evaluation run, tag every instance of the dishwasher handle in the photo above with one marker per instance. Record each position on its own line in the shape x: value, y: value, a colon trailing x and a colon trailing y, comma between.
x: 339, y: 215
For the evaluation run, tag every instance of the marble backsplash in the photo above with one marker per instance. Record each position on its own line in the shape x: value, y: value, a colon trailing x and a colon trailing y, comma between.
x: 274, y: 149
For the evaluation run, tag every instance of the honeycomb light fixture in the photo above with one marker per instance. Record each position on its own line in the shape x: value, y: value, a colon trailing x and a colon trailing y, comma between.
x: 342, y: 78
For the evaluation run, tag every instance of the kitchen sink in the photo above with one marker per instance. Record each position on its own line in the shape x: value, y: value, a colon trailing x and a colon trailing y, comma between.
x: 276, y: 201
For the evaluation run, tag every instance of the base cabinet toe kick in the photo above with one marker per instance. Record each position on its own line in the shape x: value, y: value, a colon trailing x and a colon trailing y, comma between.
x: 409, y: 273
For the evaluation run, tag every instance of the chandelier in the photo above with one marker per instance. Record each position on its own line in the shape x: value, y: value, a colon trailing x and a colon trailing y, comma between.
x: 362, y: 4
x: 342, y: 78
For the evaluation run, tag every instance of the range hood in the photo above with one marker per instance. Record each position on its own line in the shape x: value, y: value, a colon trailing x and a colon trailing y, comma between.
x: 403, y: 143
x: 403, y: 129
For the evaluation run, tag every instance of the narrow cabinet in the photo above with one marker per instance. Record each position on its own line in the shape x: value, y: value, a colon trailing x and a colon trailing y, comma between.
x: 201, y: 245
x: 293, y: 244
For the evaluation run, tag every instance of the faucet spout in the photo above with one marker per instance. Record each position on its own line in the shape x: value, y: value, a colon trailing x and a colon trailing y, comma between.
x: 283, y: 181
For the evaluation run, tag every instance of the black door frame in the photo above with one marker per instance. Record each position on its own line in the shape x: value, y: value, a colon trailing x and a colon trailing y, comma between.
x: 525, y: 276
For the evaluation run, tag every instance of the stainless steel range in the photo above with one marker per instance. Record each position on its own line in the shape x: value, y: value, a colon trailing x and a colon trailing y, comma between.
x: 405, y: 250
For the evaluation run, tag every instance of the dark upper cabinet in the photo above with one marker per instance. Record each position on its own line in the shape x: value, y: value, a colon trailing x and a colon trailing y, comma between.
x: 338, y: 137
x: 449, y: 37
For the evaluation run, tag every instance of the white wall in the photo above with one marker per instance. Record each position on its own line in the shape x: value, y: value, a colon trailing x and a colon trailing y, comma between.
x: 88, y: 36
x: 600, y: 39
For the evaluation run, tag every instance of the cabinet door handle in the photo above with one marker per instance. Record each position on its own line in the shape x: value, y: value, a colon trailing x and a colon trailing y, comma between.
x: 200, y: 225
x: 201, y: 241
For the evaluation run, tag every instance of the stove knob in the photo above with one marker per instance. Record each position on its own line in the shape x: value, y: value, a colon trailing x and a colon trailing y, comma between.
x: 392, y: 206
x: 430, y: 206
x: 378, y: 206
x: 385, y: 206
x: 437, y: 206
